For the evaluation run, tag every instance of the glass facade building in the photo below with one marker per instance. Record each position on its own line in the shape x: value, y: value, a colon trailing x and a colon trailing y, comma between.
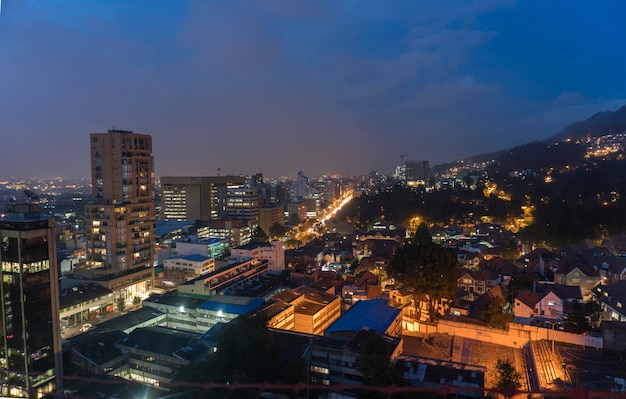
x: 30, y: 348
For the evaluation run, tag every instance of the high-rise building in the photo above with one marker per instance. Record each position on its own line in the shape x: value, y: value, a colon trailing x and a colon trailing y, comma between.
x: 301, y: 186
x: 242, y: 202
x: 196, y: 197
x: 30, y: 351
x: 120, y: 221
x: 416, y: 172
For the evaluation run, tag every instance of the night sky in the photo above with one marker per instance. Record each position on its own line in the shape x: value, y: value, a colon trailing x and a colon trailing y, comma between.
x: 281, y: 86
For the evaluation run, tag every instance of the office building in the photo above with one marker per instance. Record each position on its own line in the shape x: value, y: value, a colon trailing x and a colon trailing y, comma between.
x: 30, y: 355
x: 416, y: 172
x: 243, y: 203
x: 120, y: 221
x: 270, y: 216
x: 196, y: 197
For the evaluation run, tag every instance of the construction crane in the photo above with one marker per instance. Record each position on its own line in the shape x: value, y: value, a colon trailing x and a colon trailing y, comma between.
x: 402, y: 159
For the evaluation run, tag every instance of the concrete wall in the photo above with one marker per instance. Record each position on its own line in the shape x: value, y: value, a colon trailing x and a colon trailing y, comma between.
x: 517, y: 335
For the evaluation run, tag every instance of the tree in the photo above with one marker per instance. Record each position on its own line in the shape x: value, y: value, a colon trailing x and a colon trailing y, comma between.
x: 582, y: 317
x: 429, y: 269
x: 121, y: 304
x: 494, y: 315
x: 520, y: 282
x: 509, y: 251
x: 277, y: 230
x: 245, y: 354
x: 136, y: 301
x: 374, y: 363
x: 508, y: 377
x: 258, y: 235
x: 422, y: 235
x: 594, y: 311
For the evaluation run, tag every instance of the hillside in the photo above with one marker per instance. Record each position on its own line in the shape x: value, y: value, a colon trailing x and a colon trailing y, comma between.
x: 600, y: 124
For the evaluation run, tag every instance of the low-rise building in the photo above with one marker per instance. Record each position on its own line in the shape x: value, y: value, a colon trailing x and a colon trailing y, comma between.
x: 98, y: 355
x: 81, y: 303
x: 375, y: 314
x: 199, y: 315
x: 573, y: 271
x: 190, y: 265
x: 273, y: 252
x: 209, y: 247
x: 548, y: 301
x: 612, y: 300
x: 235, y: 275
x: 313, y: 310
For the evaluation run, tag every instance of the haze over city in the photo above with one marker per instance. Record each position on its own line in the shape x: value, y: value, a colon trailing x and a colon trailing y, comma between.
x: 280, y: 86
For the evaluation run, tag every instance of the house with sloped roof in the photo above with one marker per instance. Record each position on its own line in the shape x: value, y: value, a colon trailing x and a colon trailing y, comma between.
x: 612, y: 300
x: 573, y: 270
x: 549, y: 301
x: 476, y: 283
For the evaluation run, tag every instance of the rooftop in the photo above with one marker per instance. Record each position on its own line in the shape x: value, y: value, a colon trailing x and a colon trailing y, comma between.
x: 232, y: 304
x: 374, y: 314
x: 160, y: 340
x: 81, y: 293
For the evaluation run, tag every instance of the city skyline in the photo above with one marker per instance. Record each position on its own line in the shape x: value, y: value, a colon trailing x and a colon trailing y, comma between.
x: 277, y: 87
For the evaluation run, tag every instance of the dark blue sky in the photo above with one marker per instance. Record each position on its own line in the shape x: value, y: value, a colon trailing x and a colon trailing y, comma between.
x: 281, y: 86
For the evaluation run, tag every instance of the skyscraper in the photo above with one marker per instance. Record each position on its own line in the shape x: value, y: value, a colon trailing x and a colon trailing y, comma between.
x: 30, y: 348
x: 120, y: 221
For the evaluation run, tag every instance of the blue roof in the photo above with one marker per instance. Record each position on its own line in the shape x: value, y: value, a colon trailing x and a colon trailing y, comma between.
x: 374, y: 314
x: 232, y: 308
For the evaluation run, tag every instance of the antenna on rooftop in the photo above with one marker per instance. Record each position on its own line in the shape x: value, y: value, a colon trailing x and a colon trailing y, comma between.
x: 218, y: 172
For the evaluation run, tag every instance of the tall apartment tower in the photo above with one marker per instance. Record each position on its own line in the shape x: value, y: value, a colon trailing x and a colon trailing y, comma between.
x: 30, y: 348
x: 120, y: 222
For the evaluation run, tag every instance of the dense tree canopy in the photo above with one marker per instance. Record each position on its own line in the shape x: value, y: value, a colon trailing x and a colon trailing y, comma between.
x: 508, y: 377
x: 494, y: 315
x: 277, y: 230
x: 374, y: 362
x: 429, y: 269
x: 245, y: 355
x: 258, y: 235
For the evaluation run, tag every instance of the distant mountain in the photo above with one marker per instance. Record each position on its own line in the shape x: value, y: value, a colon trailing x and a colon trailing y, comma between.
x: 600, y: 124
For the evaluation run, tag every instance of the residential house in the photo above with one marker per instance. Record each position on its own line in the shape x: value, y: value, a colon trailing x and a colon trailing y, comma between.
x: 612, y: 300
x: 574, y: 271
x: 549, y: 301
x: 476, y: 283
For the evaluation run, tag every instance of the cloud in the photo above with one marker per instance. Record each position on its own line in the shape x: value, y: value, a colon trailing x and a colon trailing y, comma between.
x: 275, y: 86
